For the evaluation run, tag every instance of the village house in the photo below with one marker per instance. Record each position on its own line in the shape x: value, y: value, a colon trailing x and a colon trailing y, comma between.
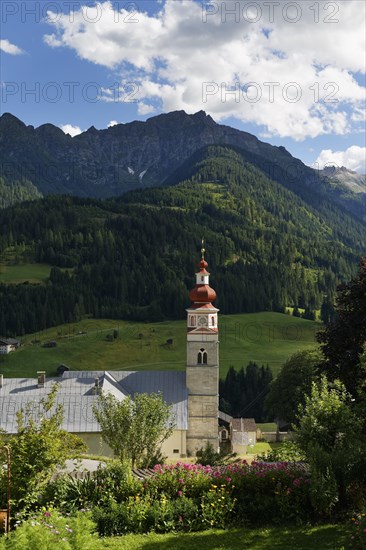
x: 8, y: 344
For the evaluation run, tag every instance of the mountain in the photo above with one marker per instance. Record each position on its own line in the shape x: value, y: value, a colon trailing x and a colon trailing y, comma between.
x: 345, y: 179
x: 106, y: 163
x: 133, y: 257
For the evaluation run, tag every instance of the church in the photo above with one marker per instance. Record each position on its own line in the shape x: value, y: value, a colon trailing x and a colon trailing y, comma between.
x: 193, y: 394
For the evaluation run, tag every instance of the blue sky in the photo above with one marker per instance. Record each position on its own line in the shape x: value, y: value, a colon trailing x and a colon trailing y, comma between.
x: 292, y: 73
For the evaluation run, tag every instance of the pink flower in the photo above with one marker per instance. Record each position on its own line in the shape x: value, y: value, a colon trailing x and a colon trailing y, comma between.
x: 180, y: 493
x: 47, y: 514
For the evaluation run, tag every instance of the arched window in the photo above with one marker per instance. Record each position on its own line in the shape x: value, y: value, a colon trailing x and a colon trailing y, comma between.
x: 202, y: 357
x: 224, y: 434
x: 192, y: 321
x: 213, y: 321
x: 202, y: 279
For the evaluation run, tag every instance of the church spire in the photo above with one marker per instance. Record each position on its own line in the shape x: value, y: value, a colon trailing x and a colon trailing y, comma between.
x: 202, y: 293
x: 202, y: 370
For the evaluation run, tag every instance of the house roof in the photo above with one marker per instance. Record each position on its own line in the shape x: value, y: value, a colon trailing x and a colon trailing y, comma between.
x: 9, y: 341
x: 76, y: 393
x: 244, y: 424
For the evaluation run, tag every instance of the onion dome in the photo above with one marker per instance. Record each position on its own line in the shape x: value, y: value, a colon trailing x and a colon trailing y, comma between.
x: 202, y: 293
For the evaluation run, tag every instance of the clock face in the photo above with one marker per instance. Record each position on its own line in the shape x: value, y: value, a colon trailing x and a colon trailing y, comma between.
x: 202, y: 321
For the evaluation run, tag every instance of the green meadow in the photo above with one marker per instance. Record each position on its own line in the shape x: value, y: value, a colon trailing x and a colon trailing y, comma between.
x: 20, y: 273
x: 266, y: 338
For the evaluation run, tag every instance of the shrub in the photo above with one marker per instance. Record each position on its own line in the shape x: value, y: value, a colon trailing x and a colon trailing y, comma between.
x: 217, y: 507
x: 131, y: 516
x: 49, y: 529
x: 141, y: 515
x: 192, y: 497
x: 287, y: 452
x: 277, y: 492
x: 186, y: 514
x: 191, y: 480
x: 114, y: 483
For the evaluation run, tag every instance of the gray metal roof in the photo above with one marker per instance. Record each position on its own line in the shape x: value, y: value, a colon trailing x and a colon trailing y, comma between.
x: 244, y: 424
x: 76, y: 393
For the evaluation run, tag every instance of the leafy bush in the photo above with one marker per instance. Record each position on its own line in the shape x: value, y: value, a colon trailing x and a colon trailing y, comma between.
x: 141, y: 515
x: 217, y: 507
x: 114, y: 483
x: 190, y: 480
x: 191, y: 497
x: 188, y: 497
x: 49, y: 529
x: 289, y: 451
x: 275, y: 493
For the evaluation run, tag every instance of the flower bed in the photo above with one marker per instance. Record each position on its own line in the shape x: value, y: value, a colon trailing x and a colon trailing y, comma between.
x: 192, y: 497
x: 358, y: 538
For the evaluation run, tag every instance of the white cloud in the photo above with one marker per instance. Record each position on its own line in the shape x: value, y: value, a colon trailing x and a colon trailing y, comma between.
x: 145, y: 108
x: 10, y: 48
x: 303, y: 72
x: 353, y: 158
x: 70, y: 129
x: 112, y: 123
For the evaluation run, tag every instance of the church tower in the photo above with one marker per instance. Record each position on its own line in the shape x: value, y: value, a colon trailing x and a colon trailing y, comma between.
x: 202, y: 371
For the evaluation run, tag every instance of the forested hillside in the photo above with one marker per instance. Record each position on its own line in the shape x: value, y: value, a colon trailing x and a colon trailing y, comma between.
x: 134, y: 257
x: 17, y: 192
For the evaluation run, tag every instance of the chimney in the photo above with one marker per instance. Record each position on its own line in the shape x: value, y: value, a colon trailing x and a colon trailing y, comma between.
x: 41, y: 375
x: 1, y: 380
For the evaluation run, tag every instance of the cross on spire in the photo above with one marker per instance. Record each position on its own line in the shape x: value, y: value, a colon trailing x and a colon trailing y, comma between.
x: 203, y: 250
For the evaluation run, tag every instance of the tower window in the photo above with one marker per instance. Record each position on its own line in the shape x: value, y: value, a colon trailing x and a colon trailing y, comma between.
x: 213, y: 321
x: 202, y: 357
x: 202, y: 278
x: 192, y: 321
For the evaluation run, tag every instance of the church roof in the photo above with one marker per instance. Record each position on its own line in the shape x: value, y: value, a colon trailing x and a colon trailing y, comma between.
x: 77, y: 394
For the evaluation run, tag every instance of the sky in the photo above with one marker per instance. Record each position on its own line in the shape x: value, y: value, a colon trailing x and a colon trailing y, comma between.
x: 291, y: 73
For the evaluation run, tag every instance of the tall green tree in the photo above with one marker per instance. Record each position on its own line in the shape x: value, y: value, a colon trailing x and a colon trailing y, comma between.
x: 343, y: 340
x: 242, y: 393
x: 134, y: 428
x: 292, y: 385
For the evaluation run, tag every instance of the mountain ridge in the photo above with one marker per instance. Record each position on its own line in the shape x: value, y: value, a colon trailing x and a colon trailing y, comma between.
x: 109, y: 162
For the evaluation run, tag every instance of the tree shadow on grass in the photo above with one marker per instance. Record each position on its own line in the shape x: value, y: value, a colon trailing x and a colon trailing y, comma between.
x: 326, y: 537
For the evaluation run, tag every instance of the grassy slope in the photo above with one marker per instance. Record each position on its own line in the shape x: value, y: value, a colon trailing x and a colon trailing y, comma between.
x: 261, y: 337
x: 324, y: 537
x: 19, y: 273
